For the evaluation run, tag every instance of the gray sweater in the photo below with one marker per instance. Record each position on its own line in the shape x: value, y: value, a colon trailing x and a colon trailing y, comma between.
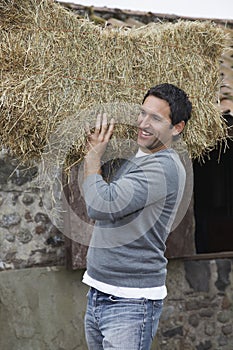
x: 133, y: 216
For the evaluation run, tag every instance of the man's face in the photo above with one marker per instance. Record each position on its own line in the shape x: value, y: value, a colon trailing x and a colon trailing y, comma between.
x: 155, y: 131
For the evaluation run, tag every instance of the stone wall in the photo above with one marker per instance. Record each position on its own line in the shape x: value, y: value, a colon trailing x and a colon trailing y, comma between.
x: 27, y: 236
x: 43, y: 308
x: 42, y: 304
x: 198, y: 312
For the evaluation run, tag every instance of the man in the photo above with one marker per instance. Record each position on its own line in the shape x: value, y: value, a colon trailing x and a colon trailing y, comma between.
x: 126, y: 267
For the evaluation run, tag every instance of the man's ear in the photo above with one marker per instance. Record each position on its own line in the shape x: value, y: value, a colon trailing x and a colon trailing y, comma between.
x: 178, y: 128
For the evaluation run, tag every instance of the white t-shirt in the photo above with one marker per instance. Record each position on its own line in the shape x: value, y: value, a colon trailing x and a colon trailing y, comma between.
x: 153, y: 293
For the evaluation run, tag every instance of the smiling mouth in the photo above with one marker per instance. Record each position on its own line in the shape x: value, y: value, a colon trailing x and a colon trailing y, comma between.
x: 145, y: 132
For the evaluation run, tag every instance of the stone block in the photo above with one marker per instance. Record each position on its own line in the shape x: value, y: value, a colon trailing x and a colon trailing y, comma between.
x: 173, y: 332
x: 205, y: 345
x: 224, y: 269
x: 197, y: 274
x: 10, y: 220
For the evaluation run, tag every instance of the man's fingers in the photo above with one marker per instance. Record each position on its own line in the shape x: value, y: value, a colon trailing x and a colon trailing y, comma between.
x: 104, y: 126
x: 104, y: 121
x: 87, y: 129
x: 110, y: 129
x: 98, y: 124
x: 103, y: 131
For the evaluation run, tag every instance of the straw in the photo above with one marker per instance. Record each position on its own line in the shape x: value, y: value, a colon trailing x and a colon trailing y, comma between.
x: 56, y: 67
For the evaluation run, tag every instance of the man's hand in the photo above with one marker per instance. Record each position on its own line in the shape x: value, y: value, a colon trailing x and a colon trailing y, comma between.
x: 97, y: 143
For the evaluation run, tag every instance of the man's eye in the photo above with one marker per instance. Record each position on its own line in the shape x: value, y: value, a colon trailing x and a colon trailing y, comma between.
x: 155, y: 117
x: 143, y: 113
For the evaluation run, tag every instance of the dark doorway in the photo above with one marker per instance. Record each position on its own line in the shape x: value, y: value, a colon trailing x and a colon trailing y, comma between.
x: 213, y: 202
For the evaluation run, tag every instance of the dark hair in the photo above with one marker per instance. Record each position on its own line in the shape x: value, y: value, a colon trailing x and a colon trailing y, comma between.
x: 179, y: 103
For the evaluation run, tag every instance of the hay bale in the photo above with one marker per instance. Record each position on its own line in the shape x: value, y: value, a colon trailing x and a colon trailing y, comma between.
x: 54, y: 66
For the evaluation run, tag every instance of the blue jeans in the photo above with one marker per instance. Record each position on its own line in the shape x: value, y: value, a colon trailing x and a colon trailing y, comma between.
x: 119, y: 323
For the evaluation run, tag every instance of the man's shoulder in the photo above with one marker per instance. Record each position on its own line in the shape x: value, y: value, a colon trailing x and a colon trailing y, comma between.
x: 164, y: 157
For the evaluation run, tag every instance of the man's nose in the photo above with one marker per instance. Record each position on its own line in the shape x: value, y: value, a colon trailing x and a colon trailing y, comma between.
x: 144, y: 121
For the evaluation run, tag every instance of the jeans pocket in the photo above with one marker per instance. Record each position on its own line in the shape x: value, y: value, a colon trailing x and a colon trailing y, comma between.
x: 88, y: 292
x: 158, y: 303
x: 156, y: 313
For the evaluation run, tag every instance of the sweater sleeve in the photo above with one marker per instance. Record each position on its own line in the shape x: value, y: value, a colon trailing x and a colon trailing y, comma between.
x: 130, y: 193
